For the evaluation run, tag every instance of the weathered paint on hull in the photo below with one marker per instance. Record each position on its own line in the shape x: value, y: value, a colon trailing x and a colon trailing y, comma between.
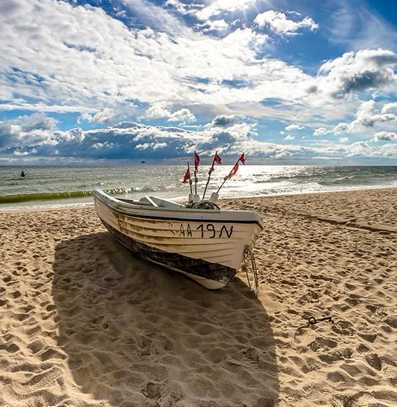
x: 208, y: 251
x: 210, y: 275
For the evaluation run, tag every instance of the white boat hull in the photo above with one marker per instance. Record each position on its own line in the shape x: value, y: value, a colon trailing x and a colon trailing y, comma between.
x: 205, y: 245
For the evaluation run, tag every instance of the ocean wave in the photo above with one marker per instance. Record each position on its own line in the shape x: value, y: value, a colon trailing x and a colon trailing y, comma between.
x: 47, y: 196
x: 43, y: 196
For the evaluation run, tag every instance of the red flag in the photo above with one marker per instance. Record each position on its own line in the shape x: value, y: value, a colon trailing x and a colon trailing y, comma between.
x: 217, y: 159
x: 196, y: 161
x: 186, y: 177
x: 234, y: 170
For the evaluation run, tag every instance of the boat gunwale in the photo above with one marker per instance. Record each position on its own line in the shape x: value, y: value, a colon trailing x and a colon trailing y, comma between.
x: 115, y: 204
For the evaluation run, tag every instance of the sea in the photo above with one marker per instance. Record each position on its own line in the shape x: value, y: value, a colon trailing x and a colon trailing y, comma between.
x: 55, y: 186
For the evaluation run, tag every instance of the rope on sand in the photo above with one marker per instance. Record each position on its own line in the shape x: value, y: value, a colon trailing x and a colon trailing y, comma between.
x: 337, y: 220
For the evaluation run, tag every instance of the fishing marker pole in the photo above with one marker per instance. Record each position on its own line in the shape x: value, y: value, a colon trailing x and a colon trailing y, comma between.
x: 209, y: 176
x: 190, y: 179
x: 232, y: 172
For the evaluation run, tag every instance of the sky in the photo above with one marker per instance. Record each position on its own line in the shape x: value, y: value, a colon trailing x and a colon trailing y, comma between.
x: 284, y: 81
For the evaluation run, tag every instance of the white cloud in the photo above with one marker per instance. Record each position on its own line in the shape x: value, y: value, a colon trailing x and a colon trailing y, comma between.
x: 160, y: 110
x: 321, y: 131
x: 182, y: 116
x: 134, y: 141
x: 156, y: 17
x: 358, y: 71
x: 289, y: 137
x: 368, y: 117
x: 157, y: 110
x: 293, y: 127
x: 282, y: 25
x: 102, y: 116
x: 73, y: 67
x: 359, y: 149
x: 43, y: 108
x: 26, y: 131
x: 181, y: 7
x: 220, y: 6
x: 224, y: 120
x: 36, y: 121
x: 215, y: 25
x: 55, y: 59
x: 341, y: 128
x: 151, y: 146
x: 385, y: 136
x: 390, y: 108
x: 72, y: 61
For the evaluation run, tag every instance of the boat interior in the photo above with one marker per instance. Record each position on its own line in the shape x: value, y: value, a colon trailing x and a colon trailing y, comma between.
x: 153, y: 201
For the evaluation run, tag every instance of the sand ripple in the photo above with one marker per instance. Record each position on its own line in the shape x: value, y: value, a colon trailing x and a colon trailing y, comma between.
x: 83, y: 323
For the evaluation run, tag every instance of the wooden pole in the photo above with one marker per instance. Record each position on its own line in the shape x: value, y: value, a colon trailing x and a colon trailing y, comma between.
x: 195, y: 182
x: 227, y: 177
x: 190, y: 179
x: 209, y: 176
x: 224, y: 180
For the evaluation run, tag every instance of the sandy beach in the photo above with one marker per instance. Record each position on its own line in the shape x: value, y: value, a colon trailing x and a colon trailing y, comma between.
x: 84, y: 323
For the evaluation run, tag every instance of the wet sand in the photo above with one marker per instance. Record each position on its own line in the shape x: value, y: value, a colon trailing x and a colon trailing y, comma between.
x: 84, y: 323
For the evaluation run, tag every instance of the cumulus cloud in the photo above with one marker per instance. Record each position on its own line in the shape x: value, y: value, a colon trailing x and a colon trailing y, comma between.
x: 215, y: 25
x: 385, y: 136
x: 279, y: 23
x: 155, y: 17
x: 341, y: 128
x: 105, y: 116
x: 224, y: 120
x: 359, y: 149
x: 358, y: 71
x: 36, y: 121
x: 158, y: 110
x: 220, y: 6
x: 135, y: 141
x: 390, y: 108
x: 161, y: 110
x: 321, y: 131
x: 368, y: 117
x: 182, y: 116
x: 55, y: 59
x: 26, y: 132
x: 293, y: 127
x: 60, y: 57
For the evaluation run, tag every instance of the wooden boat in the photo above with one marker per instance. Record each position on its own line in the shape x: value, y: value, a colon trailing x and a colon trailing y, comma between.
x: 206, y: 245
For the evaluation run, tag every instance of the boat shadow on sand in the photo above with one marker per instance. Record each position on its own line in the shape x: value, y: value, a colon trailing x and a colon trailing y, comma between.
x: 136, y: 335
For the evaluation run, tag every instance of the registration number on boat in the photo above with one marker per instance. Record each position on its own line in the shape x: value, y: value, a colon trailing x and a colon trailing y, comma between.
x: 205, y: 231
